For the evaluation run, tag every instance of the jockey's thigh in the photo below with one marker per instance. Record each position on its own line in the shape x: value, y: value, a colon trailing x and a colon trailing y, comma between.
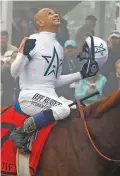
x: 29, y: 109
x: 36, y: 102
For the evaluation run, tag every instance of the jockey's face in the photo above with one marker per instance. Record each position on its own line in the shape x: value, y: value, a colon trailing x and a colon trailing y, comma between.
x: 47, y: 20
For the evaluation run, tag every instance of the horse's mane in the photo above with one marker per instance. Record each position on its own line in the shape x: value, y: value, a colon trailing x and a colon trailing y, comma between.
x: 98, y: 108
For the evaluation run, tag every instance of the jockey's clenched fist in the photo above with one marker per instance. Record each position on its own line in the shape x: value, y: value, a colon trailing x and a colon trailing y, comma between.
x: 26, y: 46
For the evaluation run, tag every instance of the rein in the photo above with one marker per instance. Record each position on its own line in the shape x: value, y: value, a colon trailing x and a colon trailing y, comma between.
x: 81, y: 112
x: 85, y: 98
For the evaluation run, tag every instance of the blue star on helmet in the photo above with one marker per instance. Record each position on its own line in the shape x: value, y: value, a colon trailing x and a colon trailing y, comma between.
x: 99, y: 49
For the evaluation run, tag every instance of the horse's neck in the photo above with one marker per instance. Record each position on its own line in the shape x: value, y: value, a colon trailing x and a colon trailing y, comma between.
x: 105, y: 132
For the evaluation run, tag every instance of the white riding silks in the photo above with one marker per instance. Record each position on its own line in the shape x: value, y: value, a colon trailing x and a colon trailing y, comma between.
x: 61, y: 112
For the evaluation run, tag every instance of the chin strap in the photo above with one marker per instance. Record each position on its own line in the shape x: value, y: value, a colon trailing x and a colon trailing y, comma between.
x: 92, y: 64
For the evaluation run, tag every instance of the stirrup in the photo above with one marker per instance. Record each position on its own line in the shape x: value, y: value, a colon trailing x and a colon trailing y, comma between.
x: 25, y: 150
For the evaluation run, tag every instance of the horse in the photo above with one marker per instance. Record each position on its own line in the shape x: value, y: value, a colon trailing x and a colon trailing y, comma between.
x: 69, y: 152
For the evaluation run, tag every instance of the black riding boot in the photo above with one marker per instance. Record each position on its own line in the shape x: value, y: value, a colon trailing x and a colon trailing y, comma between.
x: 21, y: 136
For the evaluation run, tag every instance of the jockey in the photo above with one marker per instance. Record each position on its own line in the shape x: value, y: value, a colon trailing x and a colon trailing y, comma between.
x: 38, y: 66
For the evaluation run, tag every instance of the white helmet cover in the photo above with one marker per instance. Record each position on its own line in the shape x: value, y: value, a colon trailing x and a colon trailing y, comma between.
x: 100, y: 50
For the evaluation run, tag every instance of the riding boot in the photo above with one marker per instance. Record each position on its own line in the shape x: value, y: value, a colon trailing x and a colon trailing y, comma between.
x: 21, y: 136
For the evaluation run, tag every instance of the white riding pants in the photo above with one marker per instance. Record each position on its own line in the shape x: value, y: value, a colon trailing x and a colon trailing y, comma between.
x: 33, y: 102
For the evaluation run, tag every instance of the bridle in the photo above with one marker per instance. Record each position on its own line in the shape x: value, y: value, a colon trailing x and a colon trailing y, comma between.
x: 82, y: 115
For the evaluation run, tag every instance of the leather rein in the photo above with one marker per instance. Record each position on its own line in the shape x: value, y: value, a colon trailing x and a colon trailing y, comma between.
x: 82, y: 115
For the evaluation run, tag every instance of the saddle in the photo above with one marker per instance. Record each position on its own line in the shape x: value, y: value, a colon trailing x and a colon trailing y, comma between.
x: 12, y: 161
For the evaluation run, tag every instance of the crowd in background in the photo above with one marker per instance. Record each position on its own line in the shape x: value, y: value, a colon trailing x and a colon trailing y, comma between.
x: 106, y: 81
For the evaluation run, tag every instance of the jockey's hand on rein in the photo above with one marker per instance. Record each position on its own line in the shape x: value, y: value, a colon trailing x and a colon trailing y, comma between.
x: 29, y: 45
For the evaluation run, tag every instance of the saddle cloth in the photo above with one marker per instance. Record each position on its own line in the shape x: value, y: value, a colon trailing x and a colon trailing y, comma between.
x: 11, y: 119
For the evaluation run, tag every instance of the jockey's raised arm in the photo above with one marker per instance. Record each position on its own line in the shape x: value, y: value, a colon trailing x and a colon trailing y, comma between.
x: 22, y: 57
x: 18, y: 65
x: 39, y: 67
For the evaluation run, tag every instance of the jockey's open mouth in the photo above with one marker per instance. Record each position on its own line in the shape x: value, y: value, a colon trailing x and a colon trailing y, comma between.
x: 56, y: 19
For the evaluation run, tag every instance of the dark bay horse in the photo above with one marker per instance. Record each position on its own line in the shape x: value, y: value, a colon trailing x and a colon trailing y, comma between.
x: 68, y: 151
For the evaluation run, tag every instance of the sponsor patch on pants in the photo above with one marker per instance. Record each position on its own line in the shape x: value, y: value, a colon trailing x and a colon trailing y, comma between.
x: 44, y: 102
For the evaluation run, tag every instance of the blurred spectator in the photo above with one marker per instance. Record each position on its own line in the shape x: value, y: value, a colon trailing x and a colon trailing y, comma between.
x: 86, y: 30
x: 109, y: 68
x: 90, y: 85
x: 30, y: 16
x: 114, y: 40
x: 114, y: 45
x: 63, y: 33
x: 70, y: 62
x: 24, y: 24
x: 117, y: 66
x: 17, y: 35
x: 5, y: 46
x: 9, y: 85
x: 6, y: 56
x: 1, y: 63
x: 70, y: 65
x: 20, y: 27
